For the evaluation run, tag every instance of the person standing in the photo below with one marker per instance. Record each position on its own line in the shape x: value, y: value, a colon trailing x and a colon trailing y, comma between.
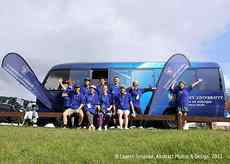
x: 136, y: 94
x: 85, y: 89
x: 100, y: 86
x: 124, y: 102
x: 91, y: 106
x: 105, y: 112
x: 115, y: 91
x: 181, y: 95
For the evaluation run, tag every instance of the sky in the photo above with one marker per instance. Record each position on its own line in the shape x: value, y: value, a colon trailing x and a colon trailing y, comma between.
x: 46, y: 33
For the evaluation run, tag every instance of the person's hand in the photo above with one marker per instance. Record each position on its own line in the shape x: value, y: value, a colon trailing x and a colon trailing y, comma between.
x: 134, y: 114
x: 200, y: 80
x: 60, y: 80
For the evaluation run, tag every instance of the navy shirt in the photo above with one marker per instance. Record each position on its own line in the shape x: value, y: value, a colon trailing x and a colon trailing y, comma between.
x: 123, y: 101
x: 99, y: 89
x: 77, y: 100
x: 115, y: 91
x: 91, y: 101
x: 67, y: 99
x: 105, y: 102
x: 85, y: 90
x: 182, y: 96
x: 136, y: 96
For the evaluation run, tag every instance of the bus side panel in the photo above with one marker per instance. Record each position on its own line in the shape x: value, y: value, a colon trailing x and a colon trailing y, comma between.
x: 206, y: 103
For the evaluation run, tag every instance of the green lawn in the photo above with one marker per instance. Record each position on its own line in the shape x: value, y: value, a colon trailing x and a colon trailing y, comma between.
x: 41, y: 145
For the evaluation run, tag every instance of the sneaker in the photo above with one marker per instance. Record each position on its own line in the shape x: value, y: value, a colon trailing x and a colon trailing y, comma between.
x: 106, y: 128
x: 99, y: 129
x: 118, y: 127
x: 186, y: 127
x: 132, y: 127
x: 92, y: 127
x: 35, y: 125
x: 126, y: 128
x: 140, y: 127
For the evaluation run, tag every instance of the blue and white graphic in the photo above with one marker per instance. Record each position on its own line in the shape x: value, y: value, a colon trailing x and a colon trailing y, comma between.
x: 17, y: 67
x: 172, y: 71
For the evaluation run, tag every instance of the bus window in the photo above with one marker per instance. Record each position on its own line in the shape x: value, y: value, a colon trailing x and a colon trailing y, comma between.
x: 189, y: 76
x: 123, y: 74
x: 146, y: 77
x: 79, y: 75
x: 211, y: 79
x: 52, y: 83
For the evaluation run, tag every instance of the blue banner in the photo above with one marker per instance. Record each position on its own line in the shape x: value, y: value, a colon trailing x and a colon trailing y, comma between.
x: 172, y: 71
x: 17, y: 67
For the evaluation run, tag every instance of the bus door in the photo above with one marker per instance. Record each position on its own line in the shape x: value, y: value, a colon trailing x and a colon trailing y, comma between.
x: 97, y: 74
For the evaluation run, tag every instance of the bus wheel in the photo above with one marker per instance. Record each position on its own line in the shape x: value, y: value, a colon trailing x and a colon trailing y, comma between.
x: 170, y: 124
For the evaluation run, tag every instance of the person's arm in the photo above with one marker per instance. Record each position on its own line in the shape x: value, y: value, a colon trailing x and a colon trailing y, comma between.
x: 60, y: 81
x: 81, y: 106
x: 196, y: 83
x: 110, y: 108
x: 132, y: 108
x: 150, y: 89
x: 172, y: 88
x: 65, y: 94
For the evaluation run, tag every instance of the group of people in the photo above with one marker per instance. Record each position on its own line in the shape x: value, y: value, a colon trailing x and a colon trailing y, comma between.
x: 102, y: 104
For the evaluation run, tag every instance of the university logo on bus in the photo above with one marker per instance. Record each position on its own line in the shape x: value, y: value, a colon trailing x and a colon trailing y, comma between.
x: 24, y: 69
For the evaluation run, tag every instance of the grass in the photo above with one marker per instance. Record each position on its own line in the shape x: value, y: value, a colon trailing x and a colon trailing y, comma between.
x: 41, y: 145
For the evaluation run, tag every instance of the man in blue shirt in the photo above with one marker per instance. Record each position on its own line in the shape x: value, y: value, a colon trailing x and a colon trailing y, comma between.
x: 114, y: 90
x: 124, y: 103
x: 75, y: 105
x: 85, y: 89
x: 100, y: 86
x: 91, y: 105
x: 181, y: 97
x: 136, y: 94
x: 105, y: 112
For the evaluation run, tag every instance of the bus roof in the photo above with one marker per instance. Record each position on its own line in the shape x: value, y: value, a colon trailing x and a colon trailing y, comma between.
x: 128, y: 65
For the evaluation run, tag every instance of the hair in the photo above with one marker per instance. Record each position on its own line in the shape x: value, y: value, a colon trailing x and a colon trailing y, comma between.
x: 116, y: 77
x: 181, y: 82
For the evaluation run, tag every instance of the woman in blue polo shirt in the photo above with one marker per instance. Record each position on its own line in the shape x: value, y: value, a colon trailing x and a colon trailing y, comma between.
x: 91, y: 105
x: 124, y: 102
x: 105, y: 112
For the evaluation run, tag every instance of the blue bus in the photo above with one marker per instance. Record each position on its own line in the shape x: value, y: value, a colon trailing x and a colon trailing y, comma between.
x: 207, y: 99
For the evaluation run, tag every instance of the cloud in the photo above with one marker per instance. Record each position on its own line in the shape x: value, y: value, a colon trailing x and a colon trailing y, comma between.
x: 51, y: 32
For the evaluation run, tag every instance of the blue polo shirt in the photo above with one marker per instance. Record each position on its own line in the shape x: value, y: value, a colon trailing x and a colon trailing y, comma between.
x: 123, y: 101
x: 91, y: 101
x: 136, y: 96
x: 68, y: 99
x: 85, y: 90
x: 182, y: 96
x: 105, y: 102
x: 99, y: 89
x: 77, y: 100
x: 114, y: 91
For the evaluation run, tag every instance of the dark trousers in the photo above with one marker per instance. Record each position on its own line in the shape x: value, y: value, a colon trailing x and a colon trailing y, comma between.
x: 90, y: 117
x: 103, y: 119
